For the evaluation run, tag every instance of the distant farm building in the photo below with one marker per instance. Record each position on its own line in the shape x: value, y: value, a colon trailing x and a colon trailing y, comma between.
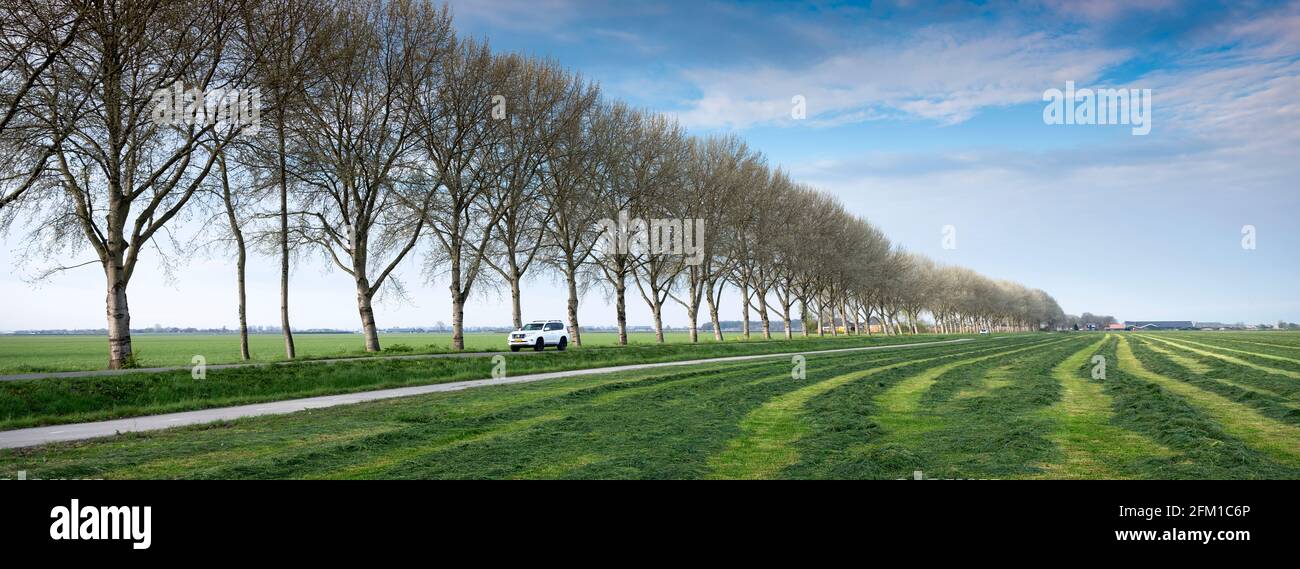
x: 1160, y: 325
x: 1114, y: 327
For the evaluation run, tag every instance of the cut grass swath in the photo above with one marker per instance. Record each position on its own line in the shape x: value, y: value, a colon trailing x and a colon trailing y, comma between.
x: 1091, y: 445
x: 1226, y: 358
x: 1278, y: 440
x: 768, y: 433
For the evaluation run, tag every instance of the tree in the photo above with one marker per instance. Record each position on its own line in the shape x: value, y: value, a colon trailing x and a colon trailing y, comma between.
x: 619, y: 199
x: 753, y: 253
x: 358, y: 142
x: 292, y: 35
x: 788, y: 248
x: 713, y: 173
x: 457, y: 131
x: 571, y: 178
x: 122, y: 177
x: 657, y: 155
x: 232, y: 204
x: 543, y: 103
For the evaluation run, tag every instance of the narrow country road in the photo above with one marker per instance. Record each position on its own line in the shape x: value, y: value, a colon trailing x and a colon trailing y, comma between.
x: 61, y: 433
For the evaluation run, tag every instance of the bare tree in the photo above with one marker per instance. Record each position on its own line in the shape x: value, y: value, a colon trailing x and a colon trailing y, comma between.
x: 655, y: 158
x: 232, y: 203
x: 358, y: 143
x: 542, y: 102
x: 745, y: 186
x: 619, y: 199
x: 787, y: 247
x: 292, y: 34
x: 123, y: 176
x: 714, y: 180
x: 570, y: 180
x: 458, y: 130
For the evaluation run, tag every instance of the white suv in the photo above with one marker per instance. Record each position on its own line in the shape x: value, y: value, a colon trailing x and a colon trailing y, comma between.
x: 538, y: 334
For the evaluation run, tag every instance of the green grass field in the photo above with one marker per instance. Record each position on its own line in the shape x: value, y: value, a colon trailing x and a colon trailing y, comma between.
x: 1171, y: 405
x: 45, y: 401
x: 27, y: 354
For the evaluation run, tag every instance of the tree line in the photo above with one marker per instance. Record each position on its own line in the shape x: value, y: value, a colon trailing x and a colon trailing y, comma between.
x: 383, y: 138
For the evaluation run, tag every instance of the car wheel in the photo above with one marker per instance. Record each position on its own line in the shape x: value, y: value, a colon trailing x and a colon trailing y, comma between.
x: 540, y: 345
x: 564, y: 343
x: 514, y: 348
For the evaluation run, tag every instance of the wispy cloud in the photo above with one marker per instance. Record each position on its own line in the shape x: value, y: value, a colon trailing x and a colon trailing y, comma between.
x: 940, y: 74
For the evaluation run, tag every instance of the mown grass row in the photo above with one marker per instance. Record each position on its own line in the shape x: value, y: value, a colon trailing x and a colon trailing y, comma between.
x: 1039, y: 414
x: 766, y: 445
x: 58, y: 401
x: 928, y: 420
x: 1180, y: 420
x: 1275, y: 365
x: 1270, y: 395
x: 1089, y: 445
x: 1279, y: 440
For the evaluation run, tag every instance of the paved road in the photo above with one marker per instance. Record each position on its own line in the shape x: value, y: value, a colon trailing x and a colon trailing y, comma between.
x: 103, y: 372
x: 60, y: 433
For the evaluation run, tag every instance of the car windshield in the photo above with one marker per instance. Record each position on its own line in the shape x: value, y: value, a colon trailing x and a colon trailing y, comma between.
x: 532, y: 327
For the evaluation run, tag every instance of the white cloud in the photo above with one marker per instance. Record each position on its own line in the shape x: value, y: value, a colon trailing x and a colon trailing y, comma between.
x: 939, y: 74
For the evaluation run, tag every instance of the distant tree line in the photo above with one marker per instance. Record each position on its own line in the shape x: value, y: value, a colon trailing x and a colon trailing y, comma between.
x: 1089, y: 319
x: 383, y: 138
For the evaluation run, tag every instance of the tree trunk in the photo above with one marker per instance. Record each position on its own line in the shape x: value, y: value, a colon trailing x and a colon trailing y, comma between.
x: 457, y: 303
x: 659, y: 323
x: 762, y: 315
x: 744, y: 311
x: 785, y: 319
x: 713, y: 315
x: 241, y: 260
x: 364, y: 297
x: 244, y: 353
x: 289, y: 351
x: 515, y: 311
x: 695, y: 329
x: 457, y: 322
x: 620, y: 308
x: 572, y: 281
x: 119, y: 317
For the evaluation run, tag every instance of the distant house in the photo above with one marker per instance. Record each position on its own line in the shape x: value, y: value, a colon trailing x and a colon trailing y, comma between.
x: 1115, y: 327
x: 1160, y: 325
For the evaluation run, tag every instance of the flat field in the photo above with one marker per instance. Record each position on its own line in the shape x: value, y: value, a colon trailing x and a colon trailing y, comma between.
x: 28, y: 354
x: 1157, y: 405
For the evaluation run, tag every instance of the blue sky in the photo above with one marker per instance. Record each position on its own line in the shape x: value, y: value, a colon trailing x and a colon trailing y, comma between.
x: 919, y: 115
